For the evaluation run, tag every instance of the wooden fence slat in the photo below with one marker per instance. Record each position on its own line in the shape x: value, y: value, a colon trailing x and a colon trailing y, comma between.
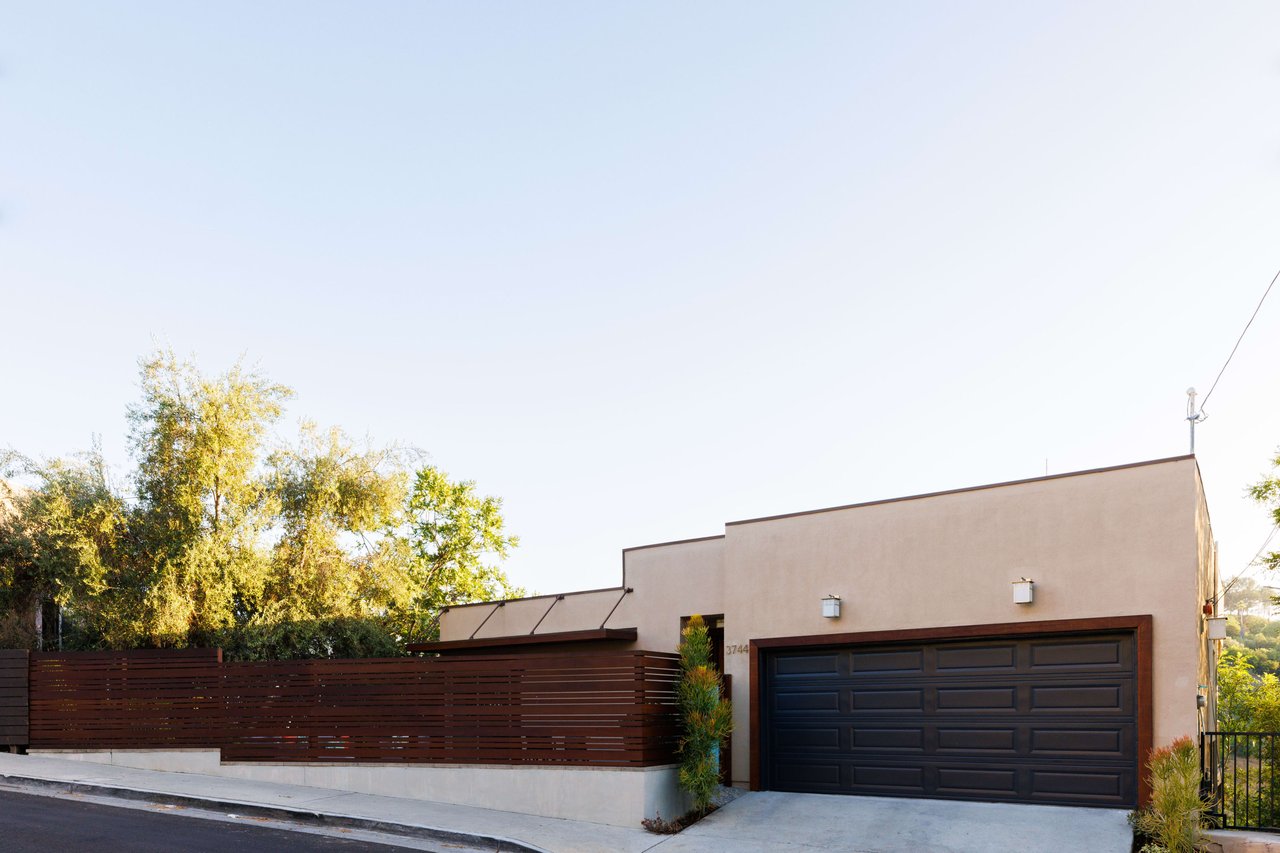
x: 14, y: 730
x: 599, y: 708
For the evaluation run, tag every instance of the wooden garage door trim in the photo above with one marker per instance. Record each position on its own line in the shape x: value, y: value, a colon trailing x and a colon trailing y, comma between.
x: 1140, y: 625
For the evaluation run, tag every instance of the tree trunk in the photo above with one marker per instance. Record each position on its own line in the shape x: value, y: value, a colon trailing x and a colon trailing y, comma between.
x: 49, y: 625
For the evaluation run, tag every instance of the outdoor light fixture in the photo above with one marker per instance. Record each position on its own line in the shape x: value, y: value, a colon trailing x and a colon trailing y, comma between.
x: 831, y: 607
x: 1217, y: 627
x: 1023, y: 591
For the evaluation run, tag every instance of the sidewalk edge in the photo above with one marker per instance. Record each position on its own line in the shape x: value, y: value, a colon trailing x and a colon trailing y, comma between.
x: 308, y: 816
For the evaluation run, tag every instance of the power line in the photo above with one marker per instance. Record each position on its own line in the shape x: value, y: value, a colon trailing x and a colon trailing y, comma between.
x: 1261, y: 548
x: 1238, y: 340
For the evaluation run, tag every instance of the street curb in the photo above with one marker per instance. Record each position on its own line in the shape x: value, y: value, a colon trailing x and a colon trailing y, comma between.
x: 306, y: 816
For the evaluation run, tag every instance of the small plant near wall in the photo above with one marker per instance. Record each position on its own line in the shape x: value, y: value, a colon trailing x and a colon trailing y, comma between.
x: 706, y: 719
x: 1172, y: 821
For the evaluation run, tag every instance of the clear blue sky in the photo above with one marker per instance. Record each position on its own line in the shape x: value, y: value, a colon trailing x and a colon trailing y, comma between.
x: 644, y: 268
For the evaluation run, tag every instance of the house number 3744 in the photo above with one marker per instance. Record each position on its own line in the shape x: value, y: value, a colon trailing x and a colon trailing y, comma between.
x: 736, y: 649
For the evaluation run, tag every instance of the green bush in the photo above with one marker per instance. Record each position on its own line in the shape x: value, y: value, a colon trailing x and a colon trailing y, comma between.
x: 336, y: 637
x: 1247, y: 702
x: 706, y: 718
x: 1172, y: 820
x: 255, y: 640
x: 17, y: 631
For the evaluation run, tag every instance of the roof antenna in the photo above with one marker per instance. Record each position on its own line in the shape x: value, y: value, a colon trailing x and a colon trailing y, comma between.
x: 1194, y: 417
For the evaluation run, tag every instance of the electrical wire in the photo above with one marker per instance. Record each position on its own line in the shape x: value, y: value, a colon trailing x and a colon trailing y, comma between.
x: 1238, y: 340
x: 1200, y: 415
x: 1266, y: 542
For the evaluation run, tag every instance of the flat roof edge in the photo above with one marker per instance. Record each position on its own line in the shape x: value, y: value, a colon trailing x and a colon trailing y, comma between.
x: 1167, y: 459
x: 674, y: 542
x: 494, y: 601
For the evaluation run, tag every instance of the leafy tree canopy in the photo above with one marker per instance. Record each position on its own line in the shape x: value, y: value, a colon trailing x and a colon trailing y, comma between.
x: 1245, y: 595
x: 455, y: 540
x: 224, y: 534
x: 1267, y: 492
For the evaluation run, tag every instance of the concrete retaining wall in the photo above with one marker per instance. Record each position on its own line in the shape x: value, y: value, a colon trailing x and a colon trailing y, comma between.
x: 1235, y: 841
x: 620, y: 796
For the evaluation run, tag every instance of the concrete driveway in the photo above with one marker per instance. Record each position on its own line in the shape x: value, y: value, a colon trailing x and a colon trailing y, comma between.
x: 801, y: 823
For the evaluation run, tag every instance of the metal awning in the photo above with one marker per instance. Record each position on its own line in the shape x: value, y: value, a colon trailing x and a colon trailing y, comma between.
x: 591, y: 635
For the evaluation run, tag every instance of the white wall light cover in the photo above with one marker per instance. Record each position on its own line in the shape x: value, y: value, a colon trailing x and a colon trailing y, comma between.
x: 831, y: 607
x: 1023, y: 592
x: 1217, y: 627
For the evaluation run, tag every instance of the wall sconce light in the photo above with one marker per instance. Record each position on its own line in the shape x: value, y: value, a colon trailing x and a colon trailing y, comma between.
x: 1217, y: 627
x: 831, y: 607
x: 1023, y: 592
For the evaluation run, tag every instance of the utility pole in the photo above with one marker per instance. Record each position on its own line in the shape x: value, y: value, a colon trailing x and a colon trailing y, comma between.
x: 1193, y: 417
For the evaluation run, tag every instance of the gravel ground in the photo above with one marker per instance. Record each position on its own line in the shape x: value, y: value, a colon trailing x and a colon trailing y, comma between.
x: 727, y: 795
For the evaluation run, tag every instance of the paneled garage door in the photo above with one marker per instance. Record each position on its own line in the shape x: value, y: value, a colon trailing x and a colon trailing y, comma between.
x: 1046, y: 719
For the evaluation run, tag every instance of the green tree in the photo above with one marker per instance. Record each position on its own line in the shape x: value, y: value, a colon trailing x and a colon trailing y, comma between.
x: 318, y: 547
x: 1245, y: 595
x: 335, y: 503
x: 315, y: 548
x: 454, y: 540
x: 1267, y: 492
x: 202, y: 510
x: 1246, y: 702
x: 58, y: 543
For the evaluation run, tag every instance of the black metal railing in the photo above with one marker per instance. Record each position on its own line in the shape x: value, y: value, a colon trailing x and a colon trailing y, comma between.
x: 1239, y: 772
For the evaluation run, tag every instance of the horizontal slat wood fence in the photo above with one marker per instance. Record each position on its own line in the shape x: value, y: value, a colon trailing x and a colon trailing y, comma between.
x: 597, y: 708
x: 145, y: 699
x: 13, y: 697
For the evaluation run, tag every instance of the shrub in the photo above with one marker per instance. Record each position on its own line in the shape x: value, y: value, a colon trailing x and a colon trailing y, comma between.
x: 706, y: 718
x: 17, y: 631
x: 334, y: 637
x: 1172, y: 820
x: 659, y: 826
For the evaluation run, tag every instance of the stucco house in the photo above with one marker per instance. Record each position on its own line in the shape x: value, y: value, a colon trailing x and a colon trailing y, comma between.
x: 932, y: 680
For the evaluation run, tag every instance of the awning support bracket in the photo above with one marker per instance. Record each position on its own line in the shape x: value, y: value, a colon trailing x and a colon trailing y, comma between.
x: 486, y: 619
x: 554, y: 602
x: 625, y: 590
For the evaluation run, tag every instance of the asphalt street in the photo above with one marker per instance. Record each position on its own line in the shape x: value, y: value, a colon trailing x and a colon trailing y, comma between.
x: 36, y: 824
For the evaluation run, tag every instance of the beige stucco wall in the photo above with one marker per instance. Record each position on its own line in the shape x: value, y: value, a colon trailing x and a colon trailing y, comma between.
x: 681, y: 578
x: 669, y: 582
x: 1119, y: 542
x: 1207, y: 590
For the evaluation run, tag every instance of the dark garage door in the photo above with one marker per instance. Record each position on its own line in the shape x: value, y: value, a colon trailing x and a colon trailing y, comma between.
x: 1041, y: 719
